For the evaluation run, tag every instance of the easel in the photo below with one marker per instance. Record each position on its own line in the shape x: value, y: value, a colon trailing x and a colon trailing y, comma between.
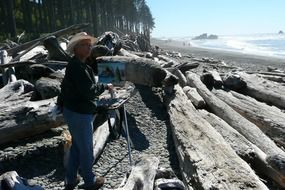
x: 118, y: 104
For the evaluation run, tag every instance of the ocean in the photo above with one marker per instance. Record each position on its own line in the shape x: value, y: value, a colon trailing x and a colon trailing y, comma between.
x: 257, y: 44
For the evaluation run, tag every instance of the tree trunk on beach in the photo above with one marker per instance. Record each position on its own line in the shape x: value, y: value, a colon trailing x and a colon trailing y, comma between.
x: 245, y: 149
x: 142, y: 175
x: 275, y: 156
x: 269, y: 119
x: 206, y: 160
x: 263, y: 90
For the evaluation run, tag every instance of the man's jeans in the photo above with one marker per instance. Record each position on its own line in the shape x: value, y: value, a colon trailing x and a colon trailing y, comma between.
x: 81, y: 151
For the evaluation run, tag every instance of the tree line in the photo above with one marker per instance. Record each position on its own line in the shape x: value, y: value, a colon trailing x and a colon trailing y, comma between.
x: 35, y: 17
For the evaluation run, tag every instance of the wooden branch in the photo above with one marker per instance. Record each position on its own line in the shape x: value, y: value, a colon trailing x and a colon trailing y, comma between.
x: 142, y: 175
x: 206, y: 160
x: 245, y: 149
x: 269, y: 119
x: 58, y: 33
x: 275, y: 156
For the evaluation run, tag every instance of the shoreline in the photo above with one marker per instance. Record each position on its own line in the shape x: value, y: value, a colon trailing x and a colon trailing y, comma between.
x: 247, y: 61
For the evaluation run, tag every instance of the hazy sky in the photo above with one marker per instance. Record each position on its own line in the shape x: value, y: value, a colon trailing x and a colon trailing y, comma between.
x: 222, y: 17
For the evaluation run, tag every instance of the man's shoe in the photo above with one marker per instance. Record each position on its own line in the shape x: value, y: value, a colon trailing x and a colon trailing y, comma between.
x: 99, y: 183
x: 72, y: 186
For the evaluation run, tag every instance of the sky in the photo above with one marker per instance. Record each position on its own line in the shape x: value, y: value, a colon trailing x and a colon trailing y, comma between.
x: 181, y: 18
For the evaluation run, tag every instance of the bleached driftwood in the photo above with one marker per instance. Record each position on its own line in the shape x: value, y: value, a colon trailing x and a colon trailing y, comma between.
x: 194, y: 97
x: 245, y: 149
x: 181, y: 78
x: 264, y: 90
x: 142, y: 175
x: 206, y: 160
x: 169, y: 62
x: 275, y: 156
x: 12, y: 181
x: 21, y: 117
x: 273, y: 78
x: 269, y: 119
x: 58, y: 33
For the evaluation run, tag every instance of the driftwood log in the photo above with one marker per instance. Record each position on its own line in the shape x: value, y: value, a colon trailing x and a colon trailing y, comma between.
x: 71, y: 29
x: 194, y: 97
x: 12, y: 181
x: 263, y: 90
x: 273, y: 78
x: 245, y: 149
x: 275, y: 156
x: 206, y: 160
x: 269, y: 119
x: 21, y: 117
x: 143, y: 71
x: 142, y: 175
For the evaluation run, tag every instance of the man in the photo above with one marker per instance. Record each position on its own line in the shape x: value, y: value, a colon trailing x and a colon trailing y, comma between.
x: 79, y: 92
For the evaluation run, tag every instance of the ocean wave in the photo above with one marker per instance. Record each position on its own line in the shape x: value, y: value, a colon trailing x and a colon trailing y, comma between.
x: 261, y: 44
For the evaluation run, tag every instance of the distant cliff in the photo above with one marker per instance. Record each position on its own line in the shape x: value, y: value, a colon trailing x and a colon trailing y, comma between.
x: 205, y: 36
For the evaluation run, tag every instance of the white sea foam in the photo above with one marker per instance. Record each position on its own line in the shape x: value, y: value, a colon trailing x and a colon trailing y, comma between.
x: 258, y: 44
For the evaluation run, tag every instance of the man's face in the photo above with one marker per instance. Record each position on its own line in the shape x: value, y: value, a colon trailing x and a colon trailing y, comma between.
x: 83, y: 48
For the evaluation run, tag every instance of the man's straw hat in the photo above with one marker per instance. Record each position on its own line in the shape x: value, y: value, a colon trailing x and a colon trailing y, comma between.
x: 77, y: 38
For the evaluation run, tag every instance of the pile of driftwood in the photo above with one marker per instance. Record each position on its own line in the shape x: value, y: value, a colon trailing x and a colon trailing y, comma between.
x: 32, y: 74
x: 228, y: 125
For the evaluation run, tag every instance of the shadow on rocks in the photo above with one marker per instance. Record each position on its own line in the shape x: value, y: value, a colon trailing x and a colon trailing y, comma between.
x: 153, y: 101
x: 139, y: 140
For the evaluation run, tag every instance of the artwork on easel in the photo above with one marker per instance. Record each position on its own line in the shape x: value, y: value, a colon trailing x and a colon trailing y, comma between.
x: 112, y: 72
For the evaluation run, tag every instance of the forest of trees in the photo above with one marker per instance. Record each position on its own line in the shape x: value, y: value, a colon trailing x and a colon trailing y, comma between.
x: 36, y: 17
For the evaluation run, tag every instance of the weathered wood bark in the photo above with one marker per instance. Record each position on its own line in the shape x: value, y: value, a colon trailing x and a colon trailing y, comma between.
x: 206, y: 160
x: 275, y: 156
x: 264, y: 90
x: 142, y: 175
x: 101, y: 136
x: 169, y: 62
x: 245, y: 149
x: 269, y: 73
x: 269, y: 119
x: 17, y: 58
x: 181, y: 78
x: 218, y: 82
x: 194, y: 97
x: 47, y: 87
x: 58, y: 33
x: 11, y: 181
x: 21, y: 117
x: 273, y: 78
x: 169, y: 184
x: 187, y: 66
x: 142, y: 71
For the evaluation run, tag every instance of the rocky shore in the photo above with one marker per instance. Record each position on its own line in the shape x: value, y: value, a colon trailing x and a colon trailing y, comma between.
x: 41, y: 158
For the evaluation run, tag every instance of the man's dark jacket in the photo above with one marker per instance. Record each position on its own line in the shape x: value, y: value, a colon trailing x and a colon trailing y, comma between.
x: 79, y: 90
